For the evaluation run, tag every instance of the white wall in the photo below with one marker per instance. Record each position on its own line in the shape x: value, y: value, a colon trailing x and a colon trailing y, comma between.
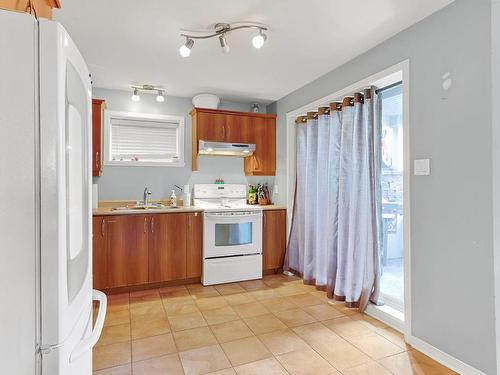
x: 495, y: 41
x: 128, y: 182
x: 452, y: 210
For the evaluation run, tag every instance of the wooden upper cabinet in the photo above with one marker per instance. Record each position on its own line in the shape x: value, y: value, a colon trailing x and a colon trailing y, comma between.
x: 211, y: 127
x: 98, y: 106
x: 167, y: 247
x: 263, y: 161
x: 274, y: 239
x: 42, y: 8
x: 238, y: 127
x: 194, y: 244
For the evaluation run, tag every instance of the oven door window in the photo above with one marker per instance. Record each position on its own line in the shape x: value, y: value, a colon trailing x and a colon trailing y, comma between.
x: 233, y: 234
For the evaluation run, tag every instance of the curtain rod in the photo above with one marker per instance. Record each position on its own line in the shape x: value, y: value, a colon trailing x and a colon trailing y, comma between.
x: 388, y: 87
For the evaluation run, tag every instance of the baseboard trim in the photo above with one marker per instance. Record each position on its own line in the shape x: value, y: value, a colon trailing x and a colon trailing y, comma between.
x: 442, y: 357
x: 390, y: 319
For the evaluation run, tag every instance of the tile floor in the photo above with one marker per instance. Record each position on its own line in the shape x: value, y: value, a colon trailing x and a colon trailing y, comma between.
x: 276, y: 325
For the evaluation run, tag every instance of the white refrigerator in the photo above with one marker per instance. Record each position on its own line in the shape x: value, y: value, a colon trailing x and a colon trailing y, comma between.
x: 46, y: 296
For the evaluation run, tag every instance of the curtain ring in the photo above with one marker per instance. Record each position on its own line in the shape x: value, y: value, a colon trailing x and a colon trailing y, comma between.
x: 323, y: 111
x: 312, y: 115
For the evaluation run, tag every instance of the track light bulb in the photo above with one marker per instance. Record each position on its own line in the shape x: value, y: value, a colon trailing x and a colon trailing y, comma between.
x: 185, y: 49
x: 223, y: 43
x: 259, y: 39
x: 160, y: 97
x: 135, y: 96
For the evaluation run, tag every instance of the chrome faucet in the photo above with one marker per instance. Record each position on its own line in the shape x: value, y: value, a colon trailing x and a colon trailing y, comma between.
x: 147, y: 193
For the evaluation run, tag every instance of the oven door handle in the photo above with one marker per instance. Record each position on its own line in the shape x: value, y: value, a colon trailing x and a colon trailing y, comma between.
x: 242, y: 215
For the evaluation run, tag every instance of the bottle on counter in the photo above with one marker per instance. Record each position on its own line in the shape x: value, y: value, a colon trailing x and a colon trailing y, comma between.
x: 173, y: 199
x: 186, y: 199
x: 252, y: 194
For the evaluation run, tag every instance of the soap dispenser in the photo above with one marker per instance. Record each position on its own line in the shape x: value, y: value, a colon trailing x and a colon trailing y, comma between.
x: 173, y: 199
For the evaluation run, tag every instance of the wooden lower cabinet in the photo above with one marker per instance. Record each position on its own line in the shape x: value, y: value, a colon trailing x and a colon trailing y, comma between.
x: 274, y: 239
x: 99, y: 253
x: 194, y: 243
x: 120, y: 251
x: 132, y: 250
x: 128, y: 250
x: 167, y: 247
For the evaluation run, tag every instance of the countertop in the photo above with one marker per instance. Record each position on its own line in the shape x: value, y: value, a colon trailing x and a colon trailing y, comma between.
x: 104, y: 211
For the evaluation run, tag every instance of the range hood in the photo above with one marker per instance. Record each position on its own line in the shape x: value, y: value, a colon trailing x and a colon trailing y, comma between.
x: 226, y: 149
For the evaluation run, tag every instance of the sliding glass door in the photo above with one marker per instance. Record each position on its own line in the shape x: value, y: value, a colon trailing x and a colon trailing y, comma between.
x: 392, y: 164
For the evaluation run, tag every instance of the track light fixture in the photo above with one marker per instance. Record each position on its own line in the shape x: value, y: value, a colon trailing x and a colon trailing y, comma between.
x: 223, y: 43
x: 160, y: 97
x: 160, y: 92
x: 135, y: 96
x: 185, y: 49
x: 221, y: 30
x: 259, y: 39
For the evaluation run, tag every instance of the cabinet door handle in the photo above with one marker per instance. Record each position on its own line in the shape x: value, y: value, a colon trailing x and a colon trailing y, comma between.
x: 152, y: 225
x: 97, y: 159
x: 224, y: 132
x: 145, y: 224
x: 103, y: 224
x: 189, y: 221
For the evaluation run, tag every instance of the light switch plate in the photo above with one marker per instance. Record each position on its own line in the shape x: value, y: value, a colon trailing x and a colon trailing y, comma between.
x: 422, y: 167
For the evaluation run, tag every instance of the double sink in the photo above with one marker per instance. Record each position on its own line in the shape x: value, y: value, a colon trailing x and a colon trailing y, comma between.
x: 151, y: 206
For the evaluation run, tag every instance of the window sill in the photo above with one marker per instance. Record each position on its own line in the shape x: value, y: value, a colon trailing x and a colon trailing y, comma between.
x: 143, y: 164
x: 388, y: 315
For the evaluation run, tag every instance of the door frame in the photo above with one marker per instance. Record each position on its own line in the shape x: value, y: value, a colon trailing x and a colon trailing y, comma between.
x: 395, y: 73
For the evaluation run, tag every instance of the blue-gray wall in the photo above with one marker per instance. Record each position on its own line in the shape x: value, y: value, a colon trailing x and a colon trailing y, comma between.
x: 451, y: 210
x: 128, y: 182
x: 495, y: 69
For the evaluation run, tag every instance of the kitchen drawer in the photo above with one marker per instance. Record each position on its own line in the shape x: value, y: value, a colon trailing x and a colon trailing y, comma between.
x: 232, y: 269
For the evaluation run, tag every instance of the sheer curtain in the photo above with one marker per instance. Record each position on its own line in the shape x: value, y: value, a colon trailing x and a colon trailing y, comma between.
x: 334, y: 239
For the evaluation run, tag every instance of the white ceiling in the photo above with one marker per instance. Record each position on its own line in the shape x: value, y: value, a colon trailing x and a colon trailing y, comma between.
x: 130, y: 41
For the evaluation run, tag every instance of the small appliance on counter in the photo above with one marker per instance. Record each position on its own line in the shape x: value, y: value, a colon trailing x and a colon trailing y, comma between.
x: 232, y: 235
x: 263, y: 196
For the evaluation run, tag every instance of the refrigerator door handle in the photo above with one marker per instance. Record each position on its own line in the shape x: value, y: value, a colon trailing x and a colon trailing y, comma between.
x: 89, y: 342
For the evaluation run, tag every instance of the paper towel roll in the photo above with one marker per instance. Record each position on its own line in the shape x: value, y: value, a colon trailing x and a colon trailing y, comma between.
x: 95, y: 198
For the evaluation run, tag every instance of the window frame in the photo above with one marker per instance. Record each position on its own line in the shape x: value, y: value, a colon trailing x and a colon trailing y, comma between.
x: 109, y: 115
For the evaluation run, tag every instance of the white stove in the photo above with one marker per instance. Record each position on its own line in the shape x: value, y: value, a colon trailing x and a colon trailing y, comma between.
x: 232, y: 235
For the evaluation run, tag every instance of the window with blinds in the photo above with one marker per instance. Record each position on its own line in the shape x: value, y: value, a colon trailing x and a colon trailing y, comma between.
x: 133, y: 140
